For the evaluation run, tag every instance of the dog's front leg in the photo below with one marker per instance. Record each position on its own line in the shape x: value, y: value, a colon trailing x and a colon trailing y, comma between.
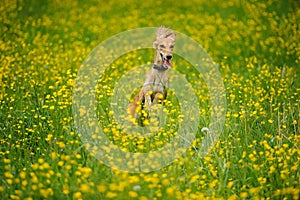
x: 145, y: 97
x: 148, y: 100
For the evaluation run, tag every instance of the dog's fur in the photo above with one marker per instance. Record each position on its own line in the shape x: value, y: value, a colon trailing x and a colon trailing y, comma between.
x: 155, y: 87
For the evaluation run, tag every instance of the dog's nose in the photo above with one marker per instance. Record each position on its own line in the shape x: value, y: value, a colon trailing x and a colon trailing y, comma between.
x: 169, y: 57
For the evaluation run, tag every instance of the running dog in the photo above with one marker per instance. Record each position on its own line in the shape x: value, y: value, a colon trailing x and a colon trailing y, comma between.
x: 155, y: 88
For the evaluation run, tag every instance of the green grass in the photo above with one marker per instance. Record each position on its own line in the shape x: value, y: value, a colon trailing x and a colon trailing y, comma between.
x: 256, y: 47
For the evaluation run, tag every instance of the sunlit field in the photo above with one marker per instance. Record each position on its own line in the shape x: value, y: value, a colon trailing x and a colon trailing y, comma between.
x: 255, y: 46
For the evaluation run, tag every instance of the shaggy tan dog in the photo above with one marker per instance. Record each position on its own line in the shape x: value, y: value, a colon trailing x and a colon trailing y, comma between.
x: 155, y: 87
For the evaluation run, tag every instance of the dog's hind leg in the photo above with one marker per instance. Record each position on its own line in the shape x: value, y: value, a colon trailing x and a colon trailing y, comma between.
x: 132, y: 109
x: 133, y: 106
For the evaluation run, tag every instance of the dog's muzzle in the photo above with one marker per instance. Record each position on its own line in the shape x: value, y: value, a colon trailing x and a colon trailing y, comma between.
x: 166, y: 60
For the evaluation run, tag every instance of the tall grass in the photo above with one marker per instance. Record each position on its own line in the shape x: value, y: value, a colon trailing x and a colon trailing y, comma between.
x: 254, y: 43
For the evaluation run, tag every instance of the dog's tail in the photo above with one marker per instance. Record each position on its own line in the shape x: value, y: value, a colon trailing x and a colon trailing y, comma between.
x: 133, y: 106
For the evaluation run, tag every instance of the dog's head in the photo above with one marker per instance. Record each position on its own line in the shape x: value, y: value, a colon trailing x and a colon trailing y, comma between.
x: 164, y: 45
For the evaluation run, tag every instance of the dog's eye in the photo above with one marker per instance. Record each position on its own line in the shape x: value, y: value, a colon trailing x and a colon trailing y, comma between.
x: 162, y: 46
x: 172, y: 46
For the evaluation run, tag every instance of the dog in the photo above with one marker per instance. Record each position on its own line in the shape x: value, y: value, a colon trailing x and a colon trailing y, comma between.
x: 155, y: 88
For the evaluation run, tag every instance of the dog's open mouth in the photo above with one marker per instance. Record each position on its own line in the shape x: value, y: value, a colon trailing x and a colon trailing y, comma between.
x: 167, y: 62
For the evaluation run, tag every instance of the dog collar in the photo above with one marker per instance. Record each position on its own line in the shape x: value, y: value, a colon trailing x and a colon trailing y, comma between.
x: 160, y: 67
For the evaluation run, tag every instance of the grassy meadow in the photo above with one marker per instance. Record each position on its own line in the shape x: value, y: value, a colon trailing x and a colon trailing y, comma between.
x: 255, y: 45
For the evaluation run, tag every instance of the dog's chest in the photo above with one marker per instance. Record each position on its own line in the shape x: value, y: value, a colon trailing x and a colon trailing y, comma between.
x: 160, y: 80
x: 156, y: 81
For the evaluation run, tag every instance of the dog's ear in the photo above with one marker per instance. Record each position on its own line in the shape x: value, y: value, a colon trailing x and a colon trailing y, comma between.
x: 164, y: 32
x: 172, y: 35
x: 161, y: 32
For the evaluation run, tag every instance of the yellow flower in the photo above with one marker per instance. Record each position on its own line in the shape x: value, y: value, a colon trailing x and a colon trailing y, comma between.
x: 111, y: 195
x: 254, y: 190
x: 230, y: 184
x: 170, y: 190
x: 8, y: 175
x: 262, y: 180
x: 213, y: 183
x: 65, y: 189
x: 53, y: 155
x: 85, y: 188
x: 9, y: 181
x: 244, y: 195
x: 143, y: 198
x: 61, y: 163
x: 77, y: 195
x: 165, y: 182
x: 86, y: 171
x: 46, y: 192
x: 101, y: 188
x: 61, y: 145
x: 133, y: 194
x: 194, y: 178
x: 233, y: 197
x: 272, y: 169
x: 24, y: 183
x: 235, y: 115
x: 68, y: 167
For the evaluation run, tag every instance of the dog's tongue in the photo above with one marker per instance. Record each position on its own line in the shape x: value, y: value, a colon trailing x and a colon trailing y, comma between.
x: 168, y: 63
